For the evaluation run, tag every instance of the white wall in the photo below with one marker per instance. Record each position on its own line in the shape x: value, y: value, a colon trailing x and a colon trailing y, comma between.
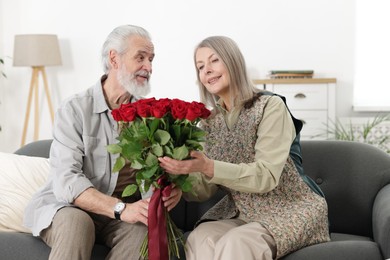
x: 272, y: 34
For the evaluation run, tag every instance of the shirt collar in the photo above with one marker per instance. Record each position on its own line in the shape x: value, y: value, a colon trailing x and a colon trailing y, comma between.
x: 100, y: 104
x: 230, y: 117
x: 221, y: 106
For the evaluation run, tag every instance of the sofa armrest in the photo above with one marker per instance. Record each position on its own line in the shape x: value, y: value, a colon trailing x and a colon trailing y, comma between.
x: 381, y: 220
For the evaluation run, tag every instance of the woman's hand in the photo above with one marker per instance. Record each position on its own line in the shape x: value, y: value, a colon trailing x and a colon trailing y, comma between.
x: 174, y: 198
x: 198, y: 163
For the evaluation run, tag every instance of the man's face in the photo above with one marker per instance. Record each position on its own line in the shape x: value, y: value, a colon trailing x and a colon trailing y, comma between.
x: 136, y: 66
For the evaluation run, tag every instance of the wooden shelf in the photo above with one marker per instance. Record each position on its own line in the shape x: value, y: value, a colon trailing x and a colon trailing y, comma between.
x: 294, y: 81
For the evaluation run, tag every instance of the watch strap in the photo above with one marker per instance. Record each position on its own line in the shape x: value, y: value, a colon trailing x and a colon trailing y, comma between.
x: 117, y: 215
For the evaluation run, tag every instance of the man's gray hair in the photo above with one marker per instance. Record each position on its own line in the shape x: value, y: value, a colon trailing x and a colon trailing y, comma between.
x: 117, y: 40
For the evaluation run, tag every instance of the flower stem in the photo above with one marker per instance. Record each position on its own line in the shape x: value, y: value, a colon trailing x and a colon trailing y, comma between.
x: 174, y: 236
x: 144, y: 248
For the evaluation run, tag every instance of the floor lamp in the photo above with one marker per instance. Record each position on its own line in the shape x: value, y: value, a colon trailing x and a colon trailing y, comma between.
x: 36, y: 51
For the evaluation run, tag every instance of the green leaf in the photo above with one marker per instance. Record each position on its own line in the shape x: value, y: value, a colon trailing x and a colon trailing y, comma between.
x: 178, y: 179
x: 143, y: 130
x: 157, y: 150
x: 195, y: 145
x: 119, y: 164
x: 167, y: 151
x: 198, y: 135
x: 185, y: 130
x: 136, y: 165
x: 129, y: 190
x: 137, y: 130
x: 139, y: 178
x: 132, y: 149
x: 184, y: 182
x: 177, y: 131
x: 153, y: 125
x: 145, y: 186
x: 162, y: 137
x: 114, y: 148
x: 148, y: 172
x: 186, y: 186
x: 180, y: 153
x: 151, y: 160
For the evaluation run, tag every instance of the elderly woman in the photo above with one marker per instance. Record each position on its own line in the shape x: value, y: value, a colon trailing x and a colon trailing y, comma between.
x: 253, y: 153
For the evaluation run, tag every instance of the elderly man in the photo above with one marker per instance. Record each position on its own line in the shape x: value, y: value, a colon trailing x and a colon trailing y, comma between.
x: 81, y: 201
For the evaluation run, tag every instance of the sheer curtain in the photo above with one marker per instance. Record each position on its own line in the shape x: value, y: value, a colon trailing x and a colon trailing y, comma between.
x: 372, y: 64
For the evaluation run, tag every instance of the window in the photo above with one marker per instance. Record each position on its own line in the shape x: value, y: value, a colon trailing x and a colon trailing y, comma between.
x: 372, y: 57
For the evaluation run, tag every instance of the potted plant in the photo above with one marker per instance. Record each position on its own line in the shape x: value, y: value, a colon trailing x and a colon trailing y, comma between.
x: 362, y: 132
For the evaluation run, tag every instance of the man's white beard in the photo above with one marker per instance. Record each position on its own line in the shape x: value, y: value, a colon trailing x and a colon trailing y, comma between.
x: 129, y: 82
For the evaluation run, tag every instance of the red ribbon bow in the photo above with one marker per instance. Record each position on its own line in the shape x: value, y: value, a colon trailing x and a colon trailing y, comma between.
x: 157, y: 226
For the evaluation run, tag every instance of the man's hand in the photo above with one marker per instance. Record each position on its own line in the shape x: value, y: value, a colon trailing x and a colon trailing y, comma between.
x: 171, y: 201
x: 136, y: 212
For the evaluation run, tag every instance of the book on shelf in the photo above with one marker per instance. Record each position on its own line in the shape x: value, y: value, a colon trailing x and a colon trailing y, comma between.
x: 290, y: 74
x: 291, y: 71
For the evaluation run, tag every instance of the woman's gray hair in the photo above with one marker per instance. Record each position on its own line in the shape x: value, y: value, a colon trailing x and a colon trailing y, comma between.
x: 117, y: 40
x: 241, y: 87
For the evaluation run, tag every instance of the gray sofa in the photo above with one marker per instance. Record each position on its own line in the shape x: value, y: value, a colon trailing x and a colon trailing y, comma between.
x: 355, y: 178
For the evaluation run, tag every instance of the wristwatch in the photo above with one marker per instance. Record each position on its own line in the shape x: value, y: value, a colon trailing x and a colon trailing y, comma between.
x: 118, y: 209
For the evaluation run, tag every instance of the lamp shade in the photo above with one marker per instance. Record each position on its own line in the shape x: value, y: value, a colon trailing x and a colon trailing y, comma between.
x: 36, y: 50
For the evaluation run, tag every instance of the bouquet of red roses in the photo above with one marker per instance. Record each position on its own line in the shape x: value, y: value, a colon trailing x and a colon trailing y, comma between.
x: 151, y: 128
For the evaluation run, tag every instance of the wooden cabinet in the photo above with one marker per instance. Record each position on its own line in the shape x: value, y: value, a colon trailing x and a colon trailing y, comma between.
x: 311, y: 100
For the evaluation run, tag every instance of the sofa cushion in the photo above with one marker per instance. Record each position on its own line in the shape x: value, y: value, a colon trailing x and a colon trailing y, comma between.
x: 24, y: 246
x: 20, y: 177
x: 362, y: 250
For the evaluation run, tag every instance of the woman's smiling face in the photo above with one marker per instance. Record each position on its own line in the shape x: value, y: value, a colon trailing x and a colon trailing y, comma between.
x: 212, y: 72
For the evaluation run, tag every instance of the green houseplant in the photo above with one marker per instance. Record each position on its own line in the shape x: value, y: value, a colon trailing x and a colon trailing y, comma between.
x: 364, y: 133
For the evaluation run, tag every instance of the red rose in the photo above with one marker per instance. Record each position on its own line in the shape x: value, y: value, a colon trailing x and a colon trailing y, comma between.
x: 143, y: 109
x: 179, y: 108
x: 194, y: 110
x: 205, y: 112
x: 160, y: 107
x: 148, y: 101
x: 116, y: 115
x: 197, y: 110
x: 128, y: 112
